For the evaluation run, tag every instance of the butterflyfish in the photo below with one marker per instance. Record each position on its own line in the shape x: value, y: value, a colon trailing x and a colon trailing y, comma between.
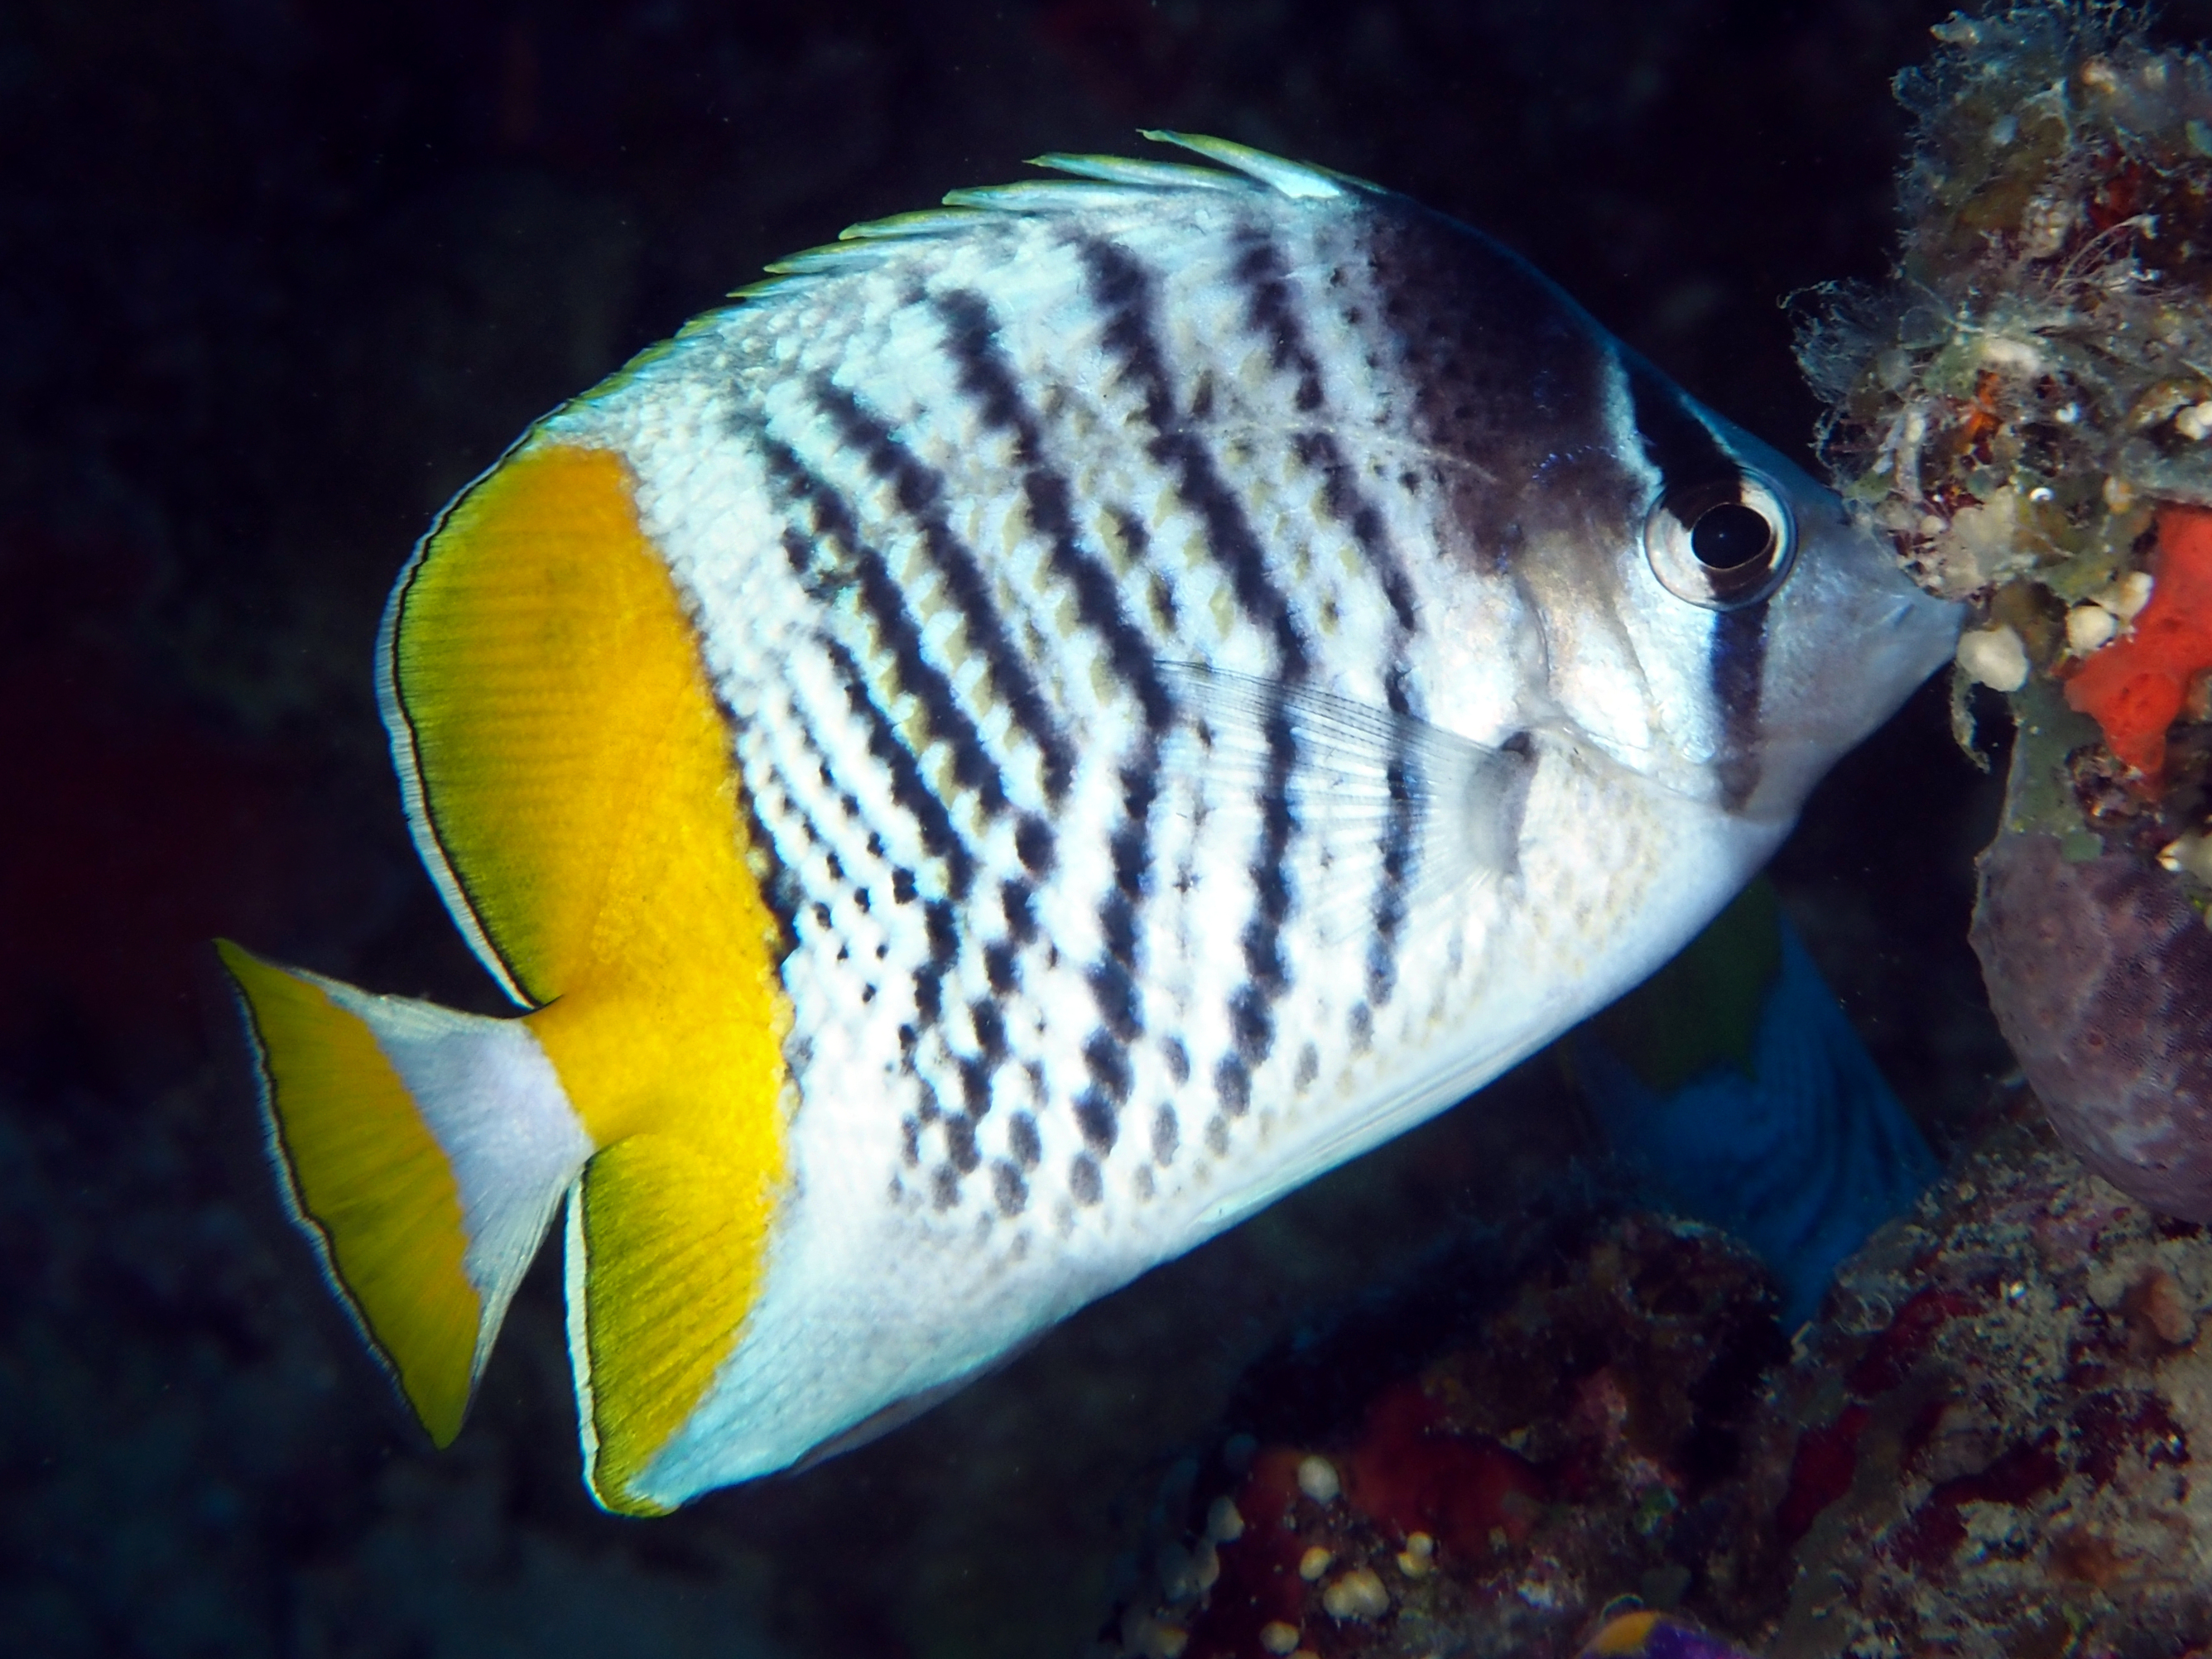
x: 1043, y: 725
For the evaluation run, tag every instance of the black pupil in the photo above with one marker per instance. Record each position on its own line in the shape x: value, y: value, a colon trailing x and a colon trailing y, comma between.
x: 1730, y: 536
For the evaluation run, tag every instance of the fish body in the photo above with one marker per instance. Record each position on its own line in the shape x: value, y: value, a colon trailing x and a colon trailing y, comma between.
x: 1045, y: 725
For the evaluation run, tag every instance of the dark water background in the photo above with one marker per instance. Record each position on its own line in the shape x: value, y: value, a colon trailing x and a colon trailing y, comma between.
x: 274, y: 280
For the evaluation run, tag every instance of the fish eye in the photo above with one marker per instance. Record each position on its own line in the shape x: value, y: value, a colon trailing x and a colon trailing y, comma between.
x: 1723, y: 544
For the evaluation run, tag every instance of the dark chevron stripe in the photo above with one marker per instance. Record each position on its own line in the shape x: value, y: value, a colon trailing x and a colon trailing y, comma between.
x: 1252, y: 1006
x: 784, y: 894
x: 1271, y: 312
x: 983, y: 373
x: 942, y: 929
x: 882, y: 600
x: 908, y: 788
x: 920, y: 491
x: 1398, y: 830
x: 1343, y: 500
x: 834, y: 519
x: 1122, y: 288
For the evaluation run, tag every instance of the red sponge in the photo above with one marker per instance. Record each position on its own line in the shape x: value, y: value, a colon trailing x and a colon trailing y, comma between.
x: 2136, y: 686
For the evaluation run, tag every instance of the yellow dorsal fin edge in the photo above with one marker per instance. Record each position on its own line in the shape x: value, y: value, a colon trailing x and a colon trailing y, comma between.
x: 576, y: 775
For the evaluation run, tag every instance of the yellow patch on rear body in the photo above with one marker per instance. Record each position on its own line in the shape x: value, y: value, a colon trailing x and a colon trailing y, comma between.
x: 578, y: 778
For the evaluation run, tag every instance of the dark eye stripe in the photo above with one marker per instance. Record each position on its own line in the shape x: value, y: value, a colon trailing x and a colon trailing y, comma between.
x: 1675, y: 439
x: 1688, y: 454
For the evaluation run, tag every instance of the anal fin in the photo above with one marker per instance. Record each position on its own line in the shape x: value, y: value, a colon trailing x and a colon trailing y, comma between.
x: 658, y: 1233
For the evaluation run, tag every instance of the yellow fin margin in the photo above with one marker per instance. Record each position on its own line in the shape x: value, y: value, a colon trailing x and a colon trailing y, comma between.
x: 572, y: 771
x: 369, y: 1182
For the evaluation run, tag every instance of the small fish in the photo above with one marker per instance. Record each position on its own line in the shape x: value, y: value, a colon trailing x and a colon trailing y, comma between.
x: 1045, y: 725
x: 1732, y: 1081
x: 1645, y: 1635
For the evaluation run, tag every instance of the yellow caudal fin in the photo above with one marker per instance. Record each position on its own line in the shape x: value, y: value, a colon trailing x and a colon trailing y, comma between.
x: 571, y: 784
x: 423, y: 1150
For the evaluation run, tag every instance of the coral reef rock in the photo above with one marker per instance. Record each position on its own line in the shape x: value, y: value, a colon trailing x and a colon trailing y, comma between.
x: 2025, y: 407
x: 1986, y: 1449
x: 2100, y: 975
x: 1983, y: 1449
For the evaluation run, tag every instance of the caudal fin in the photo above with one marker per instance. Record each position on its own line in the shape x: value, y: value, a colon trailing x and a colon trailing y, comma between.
x: 423, y: 1152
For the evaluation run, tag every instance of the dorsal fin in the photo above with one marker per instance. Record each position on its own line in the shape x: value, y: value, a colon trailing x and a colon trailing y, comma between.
x: 1297, y: 179
x: 1087, y: 181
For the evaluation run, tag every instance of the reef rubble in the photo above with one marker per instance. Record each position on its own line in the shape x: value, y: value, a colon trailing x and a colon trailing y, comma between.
x: 1984, y: 1447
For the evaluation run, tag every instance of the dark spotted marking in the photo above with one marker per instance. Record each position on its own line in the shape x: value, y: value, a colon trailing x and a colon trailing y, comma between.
x: 920, y: 490
x: 974, y: 1086
x: 1034, y: 845
x: 941, y: 925
x: 1509, y: 381
x: 1022, y: 1140
x: 1251, y: 1007
x: 1178, y: 1060
x: 1362, y: 1023
x: 990, y: 1029
x: 1007, y: 1187
x: 1098, y: 1108
x: 1114, y: 990
x: 960, y: 1145
x: 1400, y: 831
x: 1232, y: 1081
x: 1018, y: 902
x: 1084, y: 1180
x: 1167, y: 1136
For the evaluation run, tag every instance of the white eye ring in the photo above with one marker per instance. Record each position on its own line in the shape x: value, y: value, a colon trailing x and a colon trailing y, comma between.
x: 1724, y: 544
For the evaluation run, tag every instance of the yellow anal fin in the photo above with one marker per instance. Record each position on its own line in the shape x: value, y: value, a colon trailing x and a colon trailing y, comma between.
x: 655, y: 1229
x: 571, y: 770
x: 369, y: 1182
